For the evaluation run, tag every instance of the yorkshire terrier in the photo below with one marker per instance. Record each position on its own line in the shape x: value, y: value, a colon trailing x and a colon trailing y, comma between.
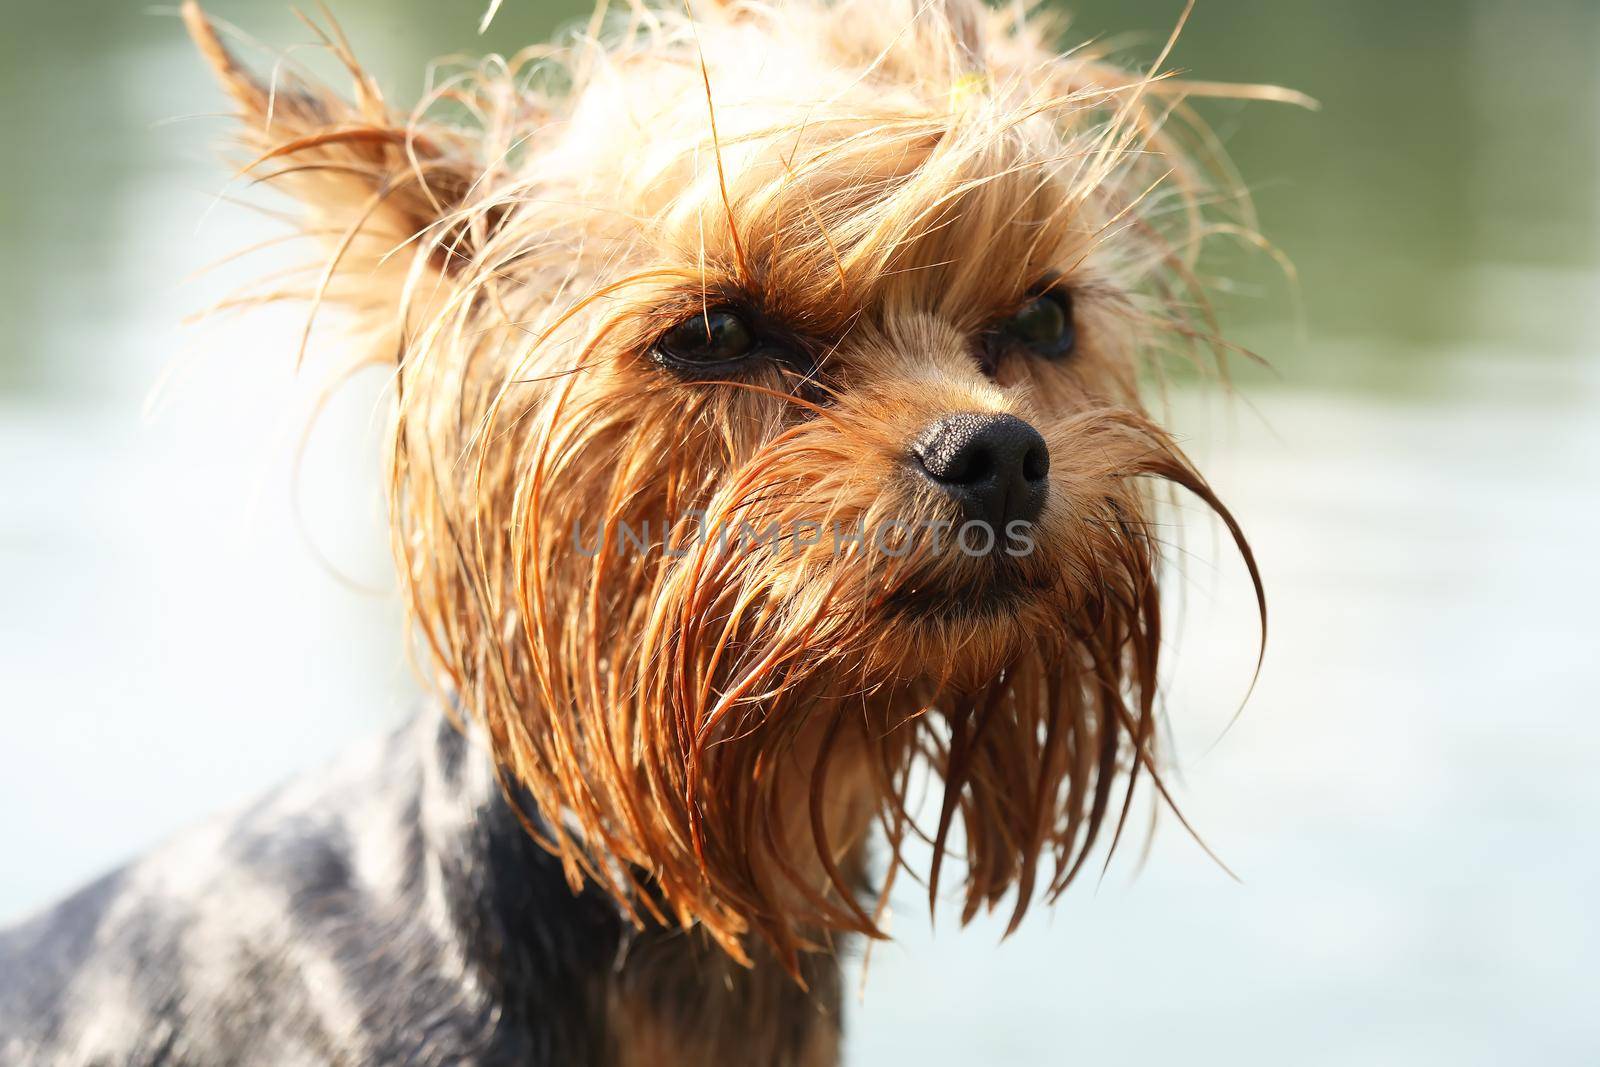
x: 766, y: 439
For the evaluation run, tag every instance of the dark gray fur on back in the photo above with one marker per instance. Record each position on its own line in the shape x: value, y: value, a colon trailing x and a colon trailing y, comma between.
x: 390, y: 911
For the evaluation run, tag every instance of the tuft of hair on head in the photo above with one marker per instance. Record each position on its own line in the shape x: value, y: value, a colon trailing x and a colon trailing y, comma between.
x: 514, y: 246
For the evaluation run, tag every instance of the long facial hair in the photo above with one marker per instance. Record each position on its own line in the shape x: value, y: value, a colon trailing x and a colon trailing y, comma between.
x: 710, y: 725
x: 699, y: 703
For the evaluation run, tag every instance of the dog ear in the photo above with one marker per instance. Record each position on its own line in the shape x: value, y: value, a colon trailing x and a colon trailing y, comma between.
x: 387, y: 198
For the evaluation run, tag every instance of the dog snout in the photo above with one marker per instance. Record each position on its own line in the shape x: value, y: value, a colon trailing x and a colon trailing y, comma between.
x: 994, y: 466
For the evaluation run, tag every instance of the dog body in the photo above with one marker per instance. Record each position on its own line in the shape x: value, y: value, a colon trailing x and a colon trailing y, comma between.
x: 766, y: 440
x: 391, y: 909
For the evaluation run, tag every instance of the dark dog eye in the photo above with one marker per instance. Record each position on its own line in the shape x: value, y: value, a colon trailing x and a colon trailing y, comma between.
x: 707, y: 340
x: 1044, y: 324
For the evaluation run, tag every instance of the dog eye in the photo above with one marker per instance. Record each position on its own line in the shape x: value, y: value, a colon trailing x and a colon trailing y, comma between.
x: 706, y: 340
x: 1044, y: 324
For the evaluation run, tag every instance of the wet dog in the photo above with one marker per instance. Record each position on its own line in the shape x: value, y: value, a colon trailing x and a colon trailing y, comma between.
x: 766, y: 438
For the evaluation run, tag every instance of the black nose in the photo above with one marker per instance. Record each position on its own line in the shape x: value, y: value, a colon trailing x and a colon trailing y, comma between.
x: 994, y: 465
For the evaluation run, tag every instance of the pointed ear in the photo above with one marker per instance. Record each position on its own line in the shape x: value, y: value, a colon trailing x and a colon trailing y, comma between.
x: 387, y: 198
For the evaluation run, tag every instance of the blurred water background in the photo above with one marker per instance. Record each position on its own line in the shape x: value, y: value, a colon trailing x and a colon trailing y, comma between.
x: 1410, y: 797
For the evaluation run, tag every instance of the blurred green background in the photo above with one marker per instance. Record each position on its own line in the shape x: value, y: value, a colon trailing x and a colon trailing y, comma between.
x: 1410, y: 796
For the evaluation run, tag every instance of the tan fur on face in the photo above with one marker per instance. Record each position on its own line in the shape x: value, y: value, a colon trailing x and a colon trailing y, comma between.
x: 708, y: 734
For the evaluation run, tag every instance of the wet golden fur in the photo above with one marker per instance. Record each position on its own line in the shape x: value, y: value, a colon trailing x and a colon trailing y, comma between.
x: 713, y: 735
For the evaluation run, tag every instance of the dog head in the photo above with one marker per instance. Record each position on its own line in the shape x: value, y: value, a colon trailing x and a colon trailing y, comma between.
x: 767, y: 426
